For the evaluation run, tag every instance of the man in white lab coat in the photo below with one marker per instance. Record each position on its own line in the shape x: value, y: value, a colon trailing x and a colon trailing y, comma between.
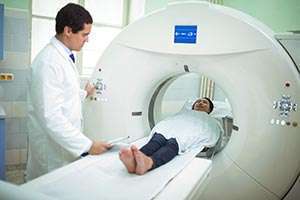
x: 54, y: 98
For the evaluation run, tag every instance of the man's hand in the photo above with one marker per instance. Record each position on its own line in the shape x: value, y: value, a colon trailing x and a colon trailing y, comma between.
x: 90, y: 89
x: 99, y: 147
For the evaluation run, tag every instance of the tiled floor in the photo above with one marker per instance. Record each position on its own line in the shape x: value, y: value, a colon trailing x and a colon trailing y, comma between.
x: 15, y: 174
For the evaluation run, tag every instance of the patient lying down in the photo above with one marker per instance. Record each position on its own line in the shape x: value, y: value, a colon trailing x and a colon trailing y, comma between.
x: 172, y: 136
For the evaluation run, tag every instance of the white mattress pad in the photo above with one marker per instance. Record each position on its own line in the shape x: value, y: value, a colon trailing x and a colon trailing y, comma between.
x: 105, y: 177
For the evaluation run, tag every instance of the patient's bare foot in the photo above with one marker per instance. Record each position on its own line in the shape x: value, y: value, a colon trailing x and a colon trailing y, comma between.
x: 143, y: 162
x: 126, y: 156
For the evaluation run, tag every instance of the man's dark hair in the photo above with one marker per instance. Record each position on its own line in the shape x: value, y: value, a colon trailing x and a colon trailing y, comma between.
x: 73, y: 16
x: 211, y: 105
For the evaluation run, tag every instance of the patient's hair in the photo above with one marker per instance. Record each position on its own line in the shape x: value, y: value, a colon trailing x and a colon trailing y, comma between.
x: 211, y: 104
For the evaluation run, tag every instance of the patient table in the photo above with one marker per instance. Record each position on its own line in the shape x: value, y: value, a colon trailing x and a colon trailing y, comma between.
x: 105, y: 177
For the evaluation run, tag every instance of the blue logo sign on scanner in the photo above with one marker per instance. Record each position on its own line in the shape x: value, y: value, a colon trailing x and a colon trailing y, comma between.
x: 185, y: 34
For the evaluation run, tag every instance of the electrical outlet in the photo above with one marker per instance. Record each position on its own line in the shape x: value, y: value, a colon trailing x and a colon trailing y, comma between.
x: 6, y: 76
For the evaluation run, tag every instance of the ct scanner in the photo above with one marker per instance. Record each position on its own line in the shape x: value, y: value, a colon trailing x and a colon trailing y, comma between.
x: 261, y: 160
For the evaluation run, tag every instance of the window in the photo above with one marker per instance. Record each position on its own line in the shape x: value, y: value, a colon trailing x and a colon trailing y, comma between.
x: 101, y: 37
x: 109, y: 17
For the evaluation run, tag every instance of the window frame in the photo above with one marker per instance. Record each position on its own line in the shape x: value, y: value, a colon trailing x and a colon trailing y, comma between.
x: 79, y: 55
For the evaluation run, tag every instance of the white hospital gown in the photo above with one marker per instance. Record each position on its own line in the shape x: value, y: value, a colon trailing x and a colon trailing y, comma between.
x: 190, y: 129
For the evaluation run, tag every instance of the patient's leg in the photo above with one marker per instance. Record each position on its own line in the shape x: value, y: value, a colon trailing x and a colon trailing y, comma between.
x: 143, y: 162
x: 156, y: 142
x: 165, y: 153
x: 127, y: 157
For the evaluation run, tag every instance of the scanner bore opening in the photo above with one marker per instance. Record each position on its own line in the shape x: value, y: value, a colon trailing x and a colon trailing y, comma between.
x: 173, y: 92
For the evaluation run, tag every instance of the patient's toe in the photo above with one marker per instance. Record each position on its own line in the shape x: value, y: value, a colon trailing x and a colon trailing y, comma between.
x: 134, y: 148
x: 141, y: 162
x: 126, y: 156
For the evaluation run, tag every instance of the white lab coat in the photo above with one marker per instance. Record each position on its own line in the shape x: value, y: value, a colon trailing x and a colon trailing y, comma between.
x: 54, y: 110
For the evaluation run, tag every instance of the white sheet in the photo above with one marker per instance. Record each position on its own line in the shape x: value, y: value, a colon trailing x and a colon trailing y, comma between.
x: 105, y: 177
x: 190, y: 128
